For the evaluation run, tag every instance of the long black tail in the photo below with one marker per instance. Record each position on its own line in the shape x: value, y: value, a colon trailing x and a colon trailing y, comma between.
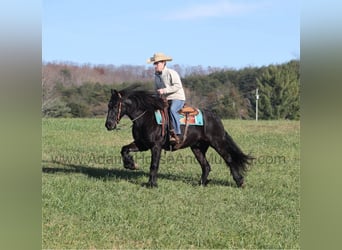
x: 239, y: 160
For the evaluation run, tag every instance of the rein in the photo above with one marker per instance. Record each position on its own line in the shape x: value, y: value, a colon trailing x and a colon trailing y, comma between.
x: 119, y: 109
x: 139, y: 116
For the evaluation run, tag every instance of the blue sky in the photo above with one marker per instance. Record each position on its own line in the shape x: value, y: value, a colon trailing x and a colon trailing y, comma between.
x: 218, y: 33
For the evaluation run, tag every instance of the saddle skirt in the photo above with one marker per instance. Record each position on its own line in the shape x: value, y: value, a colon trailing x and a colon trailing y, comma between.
x: 194, y: 116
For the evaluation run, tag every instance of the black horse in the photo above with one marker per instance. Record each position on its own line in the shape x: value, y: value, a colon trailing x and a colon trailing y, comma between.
x: 140, y: 106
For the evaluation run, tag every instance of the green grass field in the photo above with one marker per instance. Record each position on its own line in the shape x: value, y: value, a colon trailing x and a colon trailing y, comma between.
x: 90, y: 201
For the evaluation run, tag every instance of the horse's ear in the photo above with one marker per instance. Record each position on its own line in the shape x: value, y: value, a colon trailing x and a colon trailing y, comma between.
x: 115, y: 92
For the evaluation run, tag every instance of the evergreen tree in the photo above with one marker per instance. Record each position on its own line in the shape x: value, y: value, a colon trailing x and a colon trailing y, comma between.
x: 279, y: 92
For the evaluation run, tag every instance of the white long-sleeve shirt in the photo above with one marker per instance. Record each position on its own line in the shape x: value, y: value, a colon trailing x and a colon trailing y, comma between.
x: 171, y: 84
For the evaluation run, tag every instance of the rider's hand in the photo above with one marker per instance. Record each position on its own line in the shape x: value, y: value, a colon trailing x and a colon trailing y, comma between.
x: 160, y: 91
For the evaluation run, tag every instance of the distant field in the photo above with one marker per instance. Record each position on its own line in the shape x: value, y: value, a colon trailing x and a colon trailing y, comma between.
x: 90, y: 201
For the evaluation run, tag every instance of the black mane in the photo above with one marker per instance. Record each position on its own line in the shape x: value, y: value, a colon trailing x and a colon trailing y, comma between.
x: 143, y: 99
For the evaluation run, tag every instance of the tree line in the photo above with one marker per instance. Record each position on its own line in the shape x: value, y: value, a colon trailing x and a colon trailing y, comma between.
x: 71, y: 90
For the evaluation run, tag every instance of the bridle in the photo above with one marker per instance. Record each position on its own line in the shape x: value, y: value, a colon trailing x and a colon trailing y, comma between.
x: 117, y: 119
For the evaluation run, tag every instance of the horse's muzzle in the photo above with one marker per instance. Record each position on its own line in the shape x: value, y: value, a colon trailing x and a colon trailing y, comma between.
x: 110, y: 125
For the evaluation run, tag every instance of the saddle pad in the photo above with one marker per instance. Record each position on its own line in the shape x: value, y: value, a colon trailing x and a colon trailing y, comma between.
x: 196, y: 120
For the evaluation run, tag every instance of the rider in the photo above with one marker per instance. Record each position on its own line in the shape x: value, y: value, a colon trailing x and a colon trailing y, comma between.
x: 168, y: 83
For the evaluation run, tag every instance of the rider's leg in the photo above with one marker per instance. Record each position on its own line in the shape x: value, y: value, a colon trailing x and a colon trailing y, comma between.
x: 176, y: 105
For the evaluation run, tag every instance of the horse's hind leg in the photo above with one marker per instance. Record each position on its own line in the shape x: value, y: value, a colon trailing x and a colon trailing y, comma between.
x: 199, y: 152
x: 127, y: 159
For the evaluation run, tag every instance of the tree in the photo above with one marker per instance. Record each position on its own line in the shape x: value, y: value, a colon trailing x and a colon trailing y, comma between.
x: 230, y: 103
x: 56, y: 108
x: 79, y: 109
x: 66, y: 76
x: 279, y: 92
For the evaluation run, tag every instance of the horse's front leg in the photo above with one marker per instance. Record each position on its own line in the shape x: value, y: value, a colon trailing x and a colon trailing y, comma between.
x: 155, y: 159
x: 127, y: 159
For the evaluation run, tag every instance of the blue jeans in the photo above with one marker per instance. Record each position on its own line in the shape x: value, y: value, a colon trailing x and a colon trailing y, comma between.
x: 176, y: 105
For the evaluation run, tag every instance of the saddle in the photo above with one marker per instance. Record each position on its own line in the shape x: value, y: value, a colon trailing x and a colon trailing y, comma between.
x: 188, y: 116
x: 187, y: 110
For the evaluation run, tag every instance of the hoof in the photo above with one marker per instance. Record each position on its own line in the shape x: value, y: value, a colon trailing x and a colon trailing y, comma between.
x: 150, y: 185
x: 203, y: 184
x: 243, y: 185
x: 132, y: 167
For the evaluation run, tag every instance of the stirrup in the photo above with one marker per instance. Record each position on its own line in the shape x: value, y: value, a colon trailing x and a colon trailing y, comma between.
x: 174, y: 139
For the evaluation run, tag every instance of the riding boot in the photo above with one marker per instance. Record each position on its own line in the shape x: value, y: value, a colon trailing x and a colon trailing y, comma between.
x: 174, y: 139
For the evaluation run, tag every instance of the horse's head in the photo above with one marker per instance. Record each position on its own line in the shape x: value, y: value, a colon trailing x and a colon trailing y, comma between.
x: 115, y: 111
x: 130, y: 102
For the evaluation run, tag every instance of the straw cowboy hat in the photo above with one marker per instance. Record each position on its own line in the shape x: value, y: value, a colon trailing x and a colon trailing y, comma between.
x: 157, y: 57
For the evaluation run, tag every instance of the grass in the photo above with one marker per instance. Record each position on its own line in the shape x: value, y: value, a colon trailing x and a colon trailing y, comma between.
x: 90, y: 201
